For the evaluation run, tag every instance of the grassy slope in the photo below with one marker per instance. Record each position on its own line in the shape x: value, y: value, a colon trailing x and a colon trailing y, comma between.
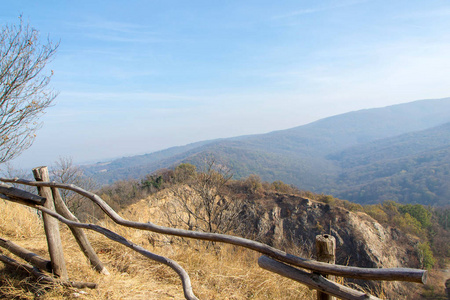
x: 227, y: 273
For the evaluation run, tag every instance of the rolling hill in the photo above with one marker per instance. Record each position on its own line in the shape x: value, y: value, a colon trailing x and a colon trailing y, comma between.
x: 348, y: 155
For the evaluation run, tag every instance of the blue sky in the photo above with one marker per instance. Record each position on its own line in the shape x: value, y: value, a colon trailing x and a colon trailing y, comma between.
x: 140, y: 76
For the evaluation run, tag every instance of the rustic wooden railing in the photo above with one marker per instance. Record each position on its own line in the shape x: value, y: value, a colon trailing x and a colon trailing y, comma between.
x: 273, y: 259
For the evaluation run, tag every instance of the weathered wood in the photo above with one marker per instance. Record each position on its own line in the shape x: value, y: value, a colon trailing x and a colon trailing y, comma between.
x: 18, y: 195
x: 41, y: 277
x: 325, y: 252
x: 51, y: 226
x: 26, y: 255
x: 186, y: 282
x: 399, y: 274
x: 312, y: 280
x: 184, y: 276
x: 79, y: 234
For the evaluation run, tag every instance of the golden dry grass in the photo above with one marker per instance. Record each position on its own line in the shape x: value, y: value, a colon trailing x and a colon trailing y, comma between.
x: 220, y: 272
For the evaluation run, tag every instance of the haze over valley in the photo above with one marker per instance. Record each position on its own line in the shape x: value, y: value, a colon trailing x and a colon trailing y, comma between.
x: 398, y: 152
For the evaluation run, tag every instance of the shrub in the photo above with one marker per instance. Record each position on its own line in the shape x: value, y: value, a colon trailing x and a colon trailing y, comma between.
x: 426, y: 257
x: 418, y: 212
x: 376, y: 212
x: 328, y: 199
x: 253, y: 185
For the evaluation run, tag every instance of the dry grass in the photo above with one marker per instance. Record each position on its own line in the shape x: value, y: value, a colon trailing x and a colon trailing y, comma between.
x: 221, y: 272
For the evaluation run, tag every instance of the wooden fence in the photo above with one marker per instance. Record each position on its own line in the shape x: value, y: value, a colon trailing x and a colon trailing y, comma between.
x: 50, y: 203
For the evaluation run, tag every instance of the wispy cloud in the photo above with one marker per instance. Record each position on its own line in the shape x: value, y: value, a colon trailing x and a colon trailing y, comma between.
x: 425, y: 14
x: 101, y: 96
x: 319, y: 9
x: 121, y: 32
x: 111, y: 26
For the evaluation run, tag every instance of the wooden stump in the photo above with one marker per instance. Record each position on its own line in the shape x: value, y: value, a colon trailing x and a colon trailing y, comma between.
x: 326, y: 252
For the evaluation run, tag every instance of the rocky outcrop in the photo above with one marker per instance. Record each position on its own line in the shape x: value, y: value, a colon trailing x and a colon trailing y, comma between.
x: 292, y: 222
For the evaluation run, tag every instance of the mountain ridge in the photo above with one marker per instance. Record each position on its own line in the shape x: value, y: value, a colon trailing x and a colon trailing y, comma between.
x: 305, y: 156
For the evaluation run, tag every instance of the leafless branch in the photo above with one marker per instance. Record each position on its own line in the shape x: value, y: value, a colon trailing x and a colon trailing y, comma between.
x: 23, y: 87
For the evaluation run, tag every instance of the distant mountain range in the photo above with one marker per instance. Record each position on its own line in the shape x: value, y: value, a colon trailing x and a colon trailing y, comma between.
x: 399, y: 152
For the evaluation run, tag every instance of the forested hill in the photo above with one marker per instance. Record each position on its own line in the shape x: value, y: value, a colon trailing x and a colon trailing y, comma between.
x: 413, y: 167
x: 333, y: 155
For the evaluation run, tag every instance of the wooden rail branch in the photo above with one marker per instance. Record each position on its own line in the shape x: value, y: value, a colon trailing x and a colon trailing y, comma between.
x: 26, y: 255
x: 312, y: 280
x: 18, y: 195
x: 78, y: 233
x: 41, y: 277
x: 398, y: 274
x: 186, y: 281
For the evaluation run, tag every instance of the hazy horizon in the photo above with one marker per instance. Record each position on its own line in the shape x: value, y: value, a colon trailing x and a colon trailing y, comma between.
x: 143, y: 76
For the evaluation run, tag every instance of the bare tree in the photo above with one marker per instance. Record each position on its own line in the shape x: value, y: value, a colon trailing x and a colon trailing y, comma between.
x: 203, y: 202
x: 10, y: 171
x: 65, y: 171
x: 23, y: 87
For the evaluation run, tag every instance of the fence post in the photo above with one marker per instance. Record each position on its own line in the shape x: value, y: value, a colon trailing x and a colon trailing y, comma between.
x: 51, y: 226
x: 326, y: 252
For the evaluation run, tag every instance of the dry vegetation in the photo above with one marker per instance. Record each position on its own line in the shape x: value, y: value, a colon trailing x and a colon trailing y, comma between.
x: 227, y: 272
x: 217, y: 271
